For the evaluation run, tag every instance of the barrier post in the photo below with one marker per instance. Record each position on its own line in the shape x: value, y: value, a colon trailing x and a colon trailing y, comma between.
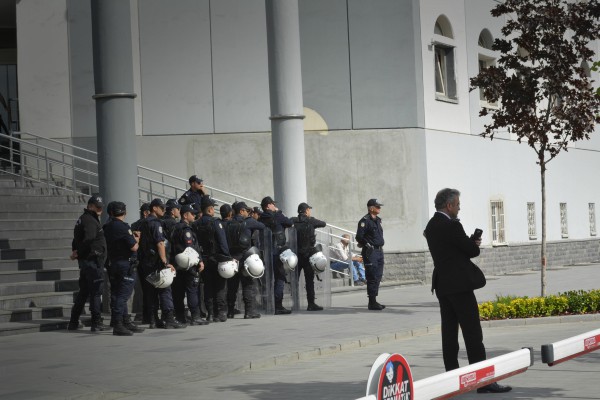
x: 567, y: 349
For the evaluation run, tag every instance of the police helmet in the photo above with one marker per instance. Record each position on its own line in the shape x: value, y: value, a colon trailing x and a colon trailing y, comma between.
x: 187, y: 259
x: 318, y: 262
x: 118, y: 208
x: 289, y: 259
x: 161, y: 279
x: 227, y: 266
x: 253, y: 267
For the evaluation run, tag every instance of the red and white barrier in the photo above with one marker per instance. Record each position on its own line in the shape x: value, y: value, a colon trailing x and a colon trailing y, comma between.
x: 390, y: 377
x: 567, y: 349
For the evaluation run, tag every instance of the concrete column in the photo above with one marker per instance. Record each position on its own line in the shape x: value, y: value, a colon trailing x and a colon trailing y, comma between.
x: 285, y: 86
x: 115, y: 118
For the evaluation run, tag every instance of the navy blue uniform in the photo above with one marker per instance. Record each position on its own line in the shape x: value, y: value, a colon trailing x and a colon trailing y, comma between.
x: 119, y: 241
x: 233, y: 283
x: 211, y: 236
x: 186, y: 282
x: 152, y: 234
x: 304, y: 252
x: 89, y: 242
x: 191, y: 197
x: 370, y: 236
x: 277, y: 222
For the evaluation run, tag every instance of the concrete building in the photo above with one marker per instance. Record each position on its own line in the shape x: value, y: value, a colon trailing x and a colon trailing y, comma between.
x: 388, y: 114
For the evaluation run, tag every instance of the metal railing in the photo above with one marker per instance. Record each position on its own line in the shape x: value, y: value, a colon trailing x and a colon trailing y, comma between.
x: 63, y: 166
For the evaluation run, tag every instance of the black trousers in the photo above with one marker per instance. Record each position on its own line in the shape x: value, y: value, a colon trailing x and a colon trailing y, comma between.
x: 456, y: 310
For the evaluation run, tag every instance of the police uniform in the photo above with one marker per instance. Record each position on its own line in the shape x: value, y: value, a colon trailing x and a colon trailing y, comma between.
x: 191, y: 197
x: 248, y: 284
x: 370, y: 236
x: 151, y: 235
x: 277, y: 222
x: 305, y: 250
x: 90, y: 245
x: 211, y: 237
x: 122, y: 260
x: 186, y: 282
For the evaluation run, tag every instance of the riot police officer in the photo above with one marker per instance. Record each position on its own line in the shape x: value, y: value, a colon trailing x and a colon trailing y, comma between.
x: 211, y: 237
x: 195, y: 193
x: 122, y: 247
x: 89, y: 249
x: 306, y: 238
x: 369, y: 236
x: 187, y: 279
x: 275, y: 220
x: 153, y: 258
x: 239, y: 239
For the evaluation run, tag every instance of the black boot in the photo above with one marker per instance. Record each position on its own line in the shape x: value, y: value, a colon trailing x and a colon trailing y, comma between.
x: 312, y: 306
x: 129, y: 324
x: 230, y: 311
x: 196, y: 319
x: 280, y: 309
x: 374, y: 305
x: 220, y: 317
x: 98, y: 325
x: 171, y: 323
x: 120, y: 330
x: 74, y: 325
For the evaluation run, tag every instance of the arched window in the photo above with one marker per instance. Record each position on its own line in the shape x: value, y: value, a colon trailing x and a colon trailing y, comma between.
x: 486, y: 59
x: 445, y: 79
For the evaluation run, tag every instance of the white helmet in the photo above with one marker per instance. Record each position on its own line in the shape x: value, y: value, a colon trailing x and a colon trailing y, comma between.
x: 161, y: 279
x: 187, y: 259
x: 318, y: 261
x: 289, y: 260
x: 253, y: 267
x: 227, y: 269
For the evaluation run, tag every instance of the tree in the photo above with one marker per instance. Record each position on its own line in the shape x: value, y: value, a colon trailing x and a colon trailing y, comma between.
x: 540, y: 83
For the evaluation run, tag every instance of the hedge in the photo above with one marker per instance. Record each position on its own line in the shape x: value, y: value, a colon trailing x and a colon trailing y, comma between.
x: 572, y: 302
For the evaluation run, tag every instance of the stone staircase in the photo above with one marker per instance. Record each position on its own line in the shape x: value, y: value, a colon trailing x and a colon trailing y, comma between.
x: 37, y: 278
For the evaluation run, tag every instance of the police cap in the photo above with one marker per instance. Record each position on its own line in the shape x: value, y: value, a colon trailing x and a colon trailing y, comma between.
x: 374, y: 202
x: 194, y: 178
x: 172, y: 203
x: 188, y: 208
x: 302, y: 207
x: 157, y: 203
x: 240, y: 205
x: 96, y: 200
x: 266, y: 201
x: 206, y: 202
x: 116, y: 208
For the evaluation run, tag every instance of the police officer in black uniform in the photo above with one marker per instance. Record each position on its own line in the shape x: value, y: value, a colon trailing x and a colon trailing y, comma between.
x: 153, y: 257
x: 186, y: 281
x: 138, y: 296
x: 239, y: 239
x: 122, y: 248
x: 274, y: 219
x: 144, y: 212
x: 369, y: 236
x: 89, y: 249
x: 306, y: 237
x: 195, y: 193
x: 211, y: 237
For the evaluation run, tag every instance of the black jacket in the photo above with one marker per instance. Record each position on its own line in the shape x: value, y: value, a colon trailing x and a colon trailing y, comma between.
x: 451, y: 250
x: 88, y: 237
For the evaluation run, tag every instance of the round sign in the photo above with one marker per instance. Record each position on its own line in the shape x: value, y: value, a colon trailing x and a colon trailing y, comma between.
x: 395, y: 380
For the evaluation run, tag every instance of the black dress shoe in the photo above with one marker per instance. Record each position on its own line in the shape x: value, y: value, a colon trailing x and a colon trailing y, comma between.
x: 376, y: 306
x: 494, y: 388
x: 314, y: 307
x: 251, y: 315
x: 281, y: 310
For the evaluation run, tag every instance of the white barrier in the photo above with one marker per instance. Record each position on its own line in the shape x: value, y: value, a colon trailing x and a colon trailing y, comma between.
x: 564, y: 350
x: 390, y: 377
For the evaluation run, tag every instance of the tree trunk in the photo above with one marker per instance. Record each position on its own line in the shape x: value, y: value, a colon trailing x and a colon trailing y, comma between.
x: 543, y: 255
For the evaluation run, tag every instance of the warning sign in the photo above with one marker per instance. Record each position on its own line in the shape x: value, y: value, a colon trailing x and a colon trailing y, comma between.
x: 395, y: 381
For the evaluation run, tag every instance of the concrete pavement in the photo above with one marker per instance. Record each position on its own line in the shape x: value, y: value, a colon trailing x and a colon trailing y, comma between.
x: 300, y: 356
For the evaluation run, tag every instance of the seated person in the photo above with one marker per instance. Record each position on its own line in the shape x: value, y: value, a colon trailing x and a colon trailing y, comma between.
x: 341, y: 252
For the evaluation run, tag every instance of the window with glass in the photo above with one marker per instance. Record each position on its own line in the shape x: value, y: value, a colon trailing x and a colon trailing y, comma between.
x: 497, y: 212
x: 564, y: 224
x: 531, y: 227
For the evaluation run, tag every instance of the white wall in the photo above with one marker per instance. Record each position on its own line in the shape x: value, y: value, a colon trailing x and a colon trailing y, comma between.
x: 43, y: 67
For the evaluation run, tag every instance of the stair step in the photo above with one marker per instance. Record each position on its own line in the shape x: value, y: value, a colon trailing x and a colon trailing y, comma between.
x: 17, y: 254
x: 39, y: 276
x: 36, y: 264
x: 30, y: 243
x: 33, y: 313
x: 36, y: 234
x: 36, y: 300
x: 26, y: 288
x: 45, y: 223
x: 9, y: 198
x: 48, y: 208
x: 43, y: 325
x: 39, y: 214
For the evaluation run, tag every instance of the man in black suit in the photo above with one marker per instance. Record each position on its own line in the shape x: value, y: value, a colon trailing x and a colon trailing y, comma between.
x: 452, y: 250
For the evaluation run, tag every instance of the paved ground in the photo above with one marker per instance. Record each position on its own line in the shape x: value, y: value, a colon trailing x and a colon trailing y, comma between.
x: 325, y: 355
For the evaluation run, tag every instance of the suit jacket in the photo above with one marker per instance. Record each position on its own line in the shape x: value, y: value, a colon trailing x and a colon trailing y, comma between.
x: 451, y: 250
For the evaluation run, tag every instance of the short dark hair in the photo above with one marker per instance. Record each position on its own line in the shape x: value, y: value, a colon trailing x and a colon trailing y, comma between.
x: 444, y: 197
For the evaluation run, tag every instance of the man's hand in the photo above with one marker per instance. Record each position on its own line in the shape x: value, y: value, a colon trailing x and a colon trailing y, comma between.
x: 73, y: 255
x: 478, y: 242
x: 201, y: 266
x: 171, y: 267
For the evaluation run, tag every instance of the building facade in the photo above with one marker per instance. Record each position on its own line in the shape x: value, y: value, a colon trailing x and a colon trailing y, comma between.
x: 387, y: 103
